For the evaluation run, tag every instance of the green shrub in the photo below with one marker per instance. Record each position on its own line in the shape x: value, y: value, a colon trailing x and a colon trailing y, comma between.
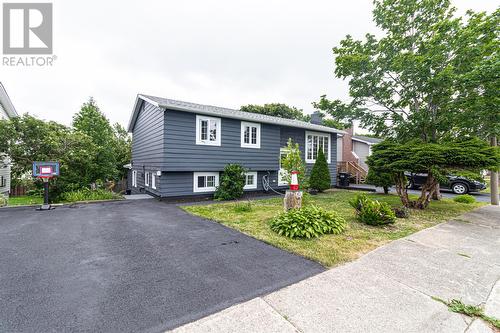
x: 372, y: 212
x: 358, y: 201
x: 243, y: 207
x: 88, y: 195
x: 320, y: 174
x: 464, y: 198
x: 308, y: 222
x: 231, y: 183
x: 3, y: 200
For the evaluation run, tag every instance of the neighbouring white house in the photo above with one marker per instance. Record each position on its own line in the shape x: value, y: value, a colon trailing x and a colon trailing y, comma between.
x: 7, y: 111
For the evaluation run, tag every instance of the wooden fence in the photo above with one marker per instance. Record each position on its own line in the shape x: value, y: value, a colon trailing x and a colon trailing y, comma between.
x: 18, y: 190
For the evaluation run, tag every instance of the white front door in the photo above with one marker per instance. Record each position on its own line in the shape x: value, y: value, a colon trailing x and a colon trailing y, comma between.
x: 282, y: 174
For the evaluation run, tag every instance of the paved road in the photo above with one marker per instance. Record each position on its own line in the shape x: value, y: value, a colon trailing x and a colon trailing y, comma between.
x: 390, y: 289
x: 480, y: 196
x: 133, y: 266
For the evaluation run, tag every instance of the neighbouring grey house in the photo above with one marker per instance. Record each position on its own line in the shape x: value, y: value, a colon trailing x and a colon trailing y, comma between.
x: 180, y: 148
x: 362, y: 148
x: 7, y: 111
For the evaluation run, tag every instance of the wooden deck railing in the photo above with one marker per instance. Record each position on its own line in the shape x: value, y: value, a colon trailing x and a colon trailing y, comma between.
x: 356, y: 170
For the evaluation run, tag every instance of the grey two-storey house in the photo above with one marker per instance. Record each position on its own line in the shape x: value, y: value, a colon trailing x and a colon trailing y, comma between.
x: 180, y: 148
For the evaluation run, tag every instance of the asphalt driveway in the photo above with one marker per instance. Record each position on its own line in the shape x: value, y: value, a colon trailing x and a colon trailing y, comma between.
x: 127, y: 267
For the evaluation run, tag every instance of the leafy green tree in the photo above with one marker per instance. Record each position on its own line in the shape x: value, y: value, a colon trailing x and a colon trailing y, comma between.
x: 27, y: 139
x: 276, y: 110
x: 122, y: 148
x: 380, y: 179
x: 231, y: 183
x: 320, y: 174
x: 477, y: 64
x: 92, y: 122
x: 400, y: 84
x: 436, y: 160
x: 293, y: 162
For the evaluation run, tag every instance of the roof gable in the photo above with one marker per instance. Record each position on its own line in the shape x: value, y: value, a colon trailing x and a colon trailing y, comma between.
x: 7, y: 103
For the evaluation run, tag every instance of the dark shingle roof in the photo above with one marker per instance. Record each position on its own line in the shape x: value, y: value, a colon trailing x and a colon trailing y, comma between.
x: 227, y: 113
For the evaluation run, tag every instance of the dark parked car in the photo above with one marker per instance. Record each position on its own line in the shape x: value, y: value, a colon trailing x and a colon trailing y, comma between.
x: 458, y: 184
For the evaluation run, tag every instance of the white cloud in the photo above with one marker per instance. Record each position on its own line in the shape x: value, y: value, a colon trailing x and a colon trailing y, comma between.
x: 225, y: 53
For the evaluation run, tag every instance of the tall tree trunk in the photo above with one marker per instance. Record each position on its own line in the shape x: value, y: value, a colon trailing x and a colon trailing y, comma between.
x: 437, y: 193
x: 401, y: 190
x: 428, y: 191
x: 494, y: 178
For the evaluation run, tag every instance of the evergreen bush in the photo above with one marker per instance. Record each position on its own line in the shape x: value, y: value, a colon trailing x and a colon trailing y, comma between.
x: 320, y: 174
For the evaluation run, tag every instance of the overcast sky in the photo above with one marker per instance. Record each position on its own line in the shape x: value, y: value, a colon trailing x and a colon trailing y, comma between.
x: 224, y: 53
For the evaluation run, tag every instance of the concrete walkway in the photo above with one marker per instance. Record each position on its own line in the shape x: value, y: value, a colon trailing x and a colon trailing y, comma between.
x: 387, y: 290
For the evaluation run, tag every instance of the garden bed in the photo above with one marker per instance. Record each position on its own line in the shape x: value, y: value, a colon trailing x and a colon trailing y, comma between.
x: 330, y: 250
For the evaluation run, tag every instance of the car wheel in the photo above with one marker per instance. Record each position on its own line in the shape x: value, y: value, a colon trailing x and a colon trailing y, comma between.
x: 459, y: 188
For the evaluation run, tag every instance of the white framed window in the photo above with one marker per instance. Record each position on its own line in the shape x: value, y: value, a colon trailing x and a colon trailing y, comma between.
x: 153, y: 181
x: 314, y: 142
x: 250, y: 135
x: 147, y: 178
x: 134, y: 178
x: 250, y: 180
x: 205, y: 181
x: 208, y: 130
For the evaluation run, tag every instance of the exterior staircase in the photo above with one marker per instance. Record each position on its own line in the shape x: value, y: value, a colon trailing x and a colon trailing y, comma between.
x: 357, y: 171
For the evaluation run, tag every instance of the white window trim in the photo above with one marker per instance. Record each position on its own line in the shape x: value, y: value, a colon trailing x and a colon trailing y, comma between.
x: 146, y: 181
x: 249, y: 145
x: 134, y: 178
x: 153, y: 180
x: 254, y: 185
x: 196, y: 189
x: 328, y: 158
x: 199, y: 141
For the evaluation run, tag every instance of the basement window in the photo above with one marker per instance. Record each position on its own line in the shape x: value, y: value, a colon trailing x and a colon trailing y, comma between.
x: 250, y: 180
x: 205, y: 181
x: 134, y: 178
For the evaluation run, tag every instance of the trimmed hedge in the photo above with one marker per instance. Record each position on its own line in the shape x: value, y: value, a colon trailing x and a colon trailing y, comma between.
x: 464, y: 198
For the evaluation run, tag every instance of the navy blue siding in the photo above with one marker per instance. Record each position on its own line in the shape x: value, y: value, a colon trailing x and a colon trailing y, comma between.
x: 148, y: 132
x: 147, y: 147
x: 183, y: 154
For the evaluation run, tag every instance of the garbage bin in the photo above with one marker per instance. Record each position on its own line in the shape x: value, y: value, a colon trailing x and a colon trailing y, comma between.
x: 344, y: 179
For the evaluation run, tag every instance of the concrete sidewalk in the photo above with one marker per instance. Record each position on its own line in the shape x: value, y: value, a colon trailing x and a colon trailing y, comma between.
x: 387, y: 290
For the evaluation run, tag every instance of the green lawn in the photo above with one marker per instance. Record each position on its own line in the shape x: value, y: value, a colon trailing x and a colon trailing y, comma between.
x: 24, y: 200
x: 330, y: 250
